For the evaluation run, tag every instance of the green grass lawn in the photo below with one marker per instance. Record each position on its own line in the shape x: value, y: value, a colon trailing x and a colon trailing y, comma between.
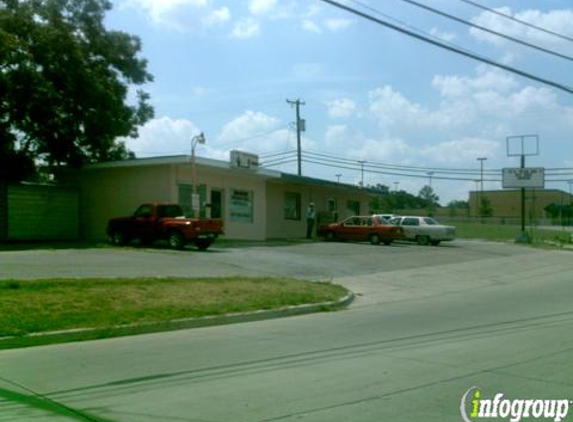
x: 59, y: 304
x: 499, y: 232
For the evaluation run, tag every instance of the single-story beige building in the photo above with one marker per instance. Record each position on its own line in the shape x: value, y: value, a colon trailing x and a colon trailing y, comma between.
x: 254, y: 203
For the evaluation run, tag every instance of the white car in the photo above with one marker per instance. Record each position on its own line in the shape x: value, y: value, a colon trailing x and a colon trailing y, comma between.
x: 424, y: 230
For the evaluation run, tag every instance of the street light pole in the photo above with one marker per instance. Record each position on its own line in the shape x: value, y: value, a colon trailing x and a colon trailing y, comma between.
x: 198, y: 139
x: 430, y: 173
x: 338, y: 177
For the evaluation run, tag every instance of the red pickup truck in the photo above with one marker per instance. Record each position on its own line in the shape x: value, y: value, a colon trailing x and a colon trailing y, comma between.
x: 151, y: 222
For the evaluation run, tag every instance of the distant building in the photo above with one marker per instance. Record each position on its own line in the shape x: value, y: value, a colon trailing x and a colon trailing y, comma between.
x: 506, y: 204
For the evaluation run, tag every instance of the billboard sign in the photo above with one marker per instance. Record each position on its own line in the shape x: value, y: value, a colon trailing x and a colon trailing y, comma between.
x: 531, y: 177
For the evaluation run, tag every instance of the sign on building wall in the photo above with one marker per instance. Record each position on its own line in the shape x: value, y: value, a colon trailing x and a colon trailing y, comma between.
x: 241, y: 206
x: 532, y: 177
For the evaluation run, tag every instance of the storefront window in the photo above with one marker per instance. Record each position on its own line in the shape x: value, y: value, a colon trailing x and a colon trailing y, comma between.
x: 292, y: 206
x: 353, y: 206
x: 241, y: 206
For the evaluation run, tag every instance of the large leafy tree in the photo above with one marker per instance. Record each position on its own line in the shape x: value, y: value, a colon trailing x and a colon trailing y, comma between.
x: 64, y: 84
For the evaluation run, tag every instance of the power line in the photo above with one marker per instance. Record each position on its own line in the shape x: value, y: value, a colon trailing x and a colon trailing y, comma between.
x: 418, y: 169
x: 483, y: 28
x: 497, y: 12
x: 450, y: 48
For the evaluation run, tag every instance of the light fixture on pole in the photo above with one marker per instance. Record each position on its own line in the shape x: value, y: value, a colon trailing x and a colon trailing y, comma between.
x: 338, y: 177
x: 195, y: 206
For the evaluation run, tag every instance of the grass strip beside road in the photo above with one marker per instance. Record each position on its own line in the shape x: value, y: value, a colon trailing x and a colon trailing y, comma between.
x: 35, y: 306
x: 500, y: 232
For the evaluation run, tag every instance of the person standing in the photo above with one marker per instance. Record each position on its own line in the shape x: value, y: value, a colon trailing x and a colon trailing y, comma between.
x: 310, y: 218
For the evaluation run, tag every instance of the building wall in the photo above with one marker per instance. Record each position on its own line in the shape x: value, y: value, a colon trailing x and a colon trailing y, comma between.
x: 115, y: 192
x: 226, y: 180
x: 507, y: 203
x: 280, y: 227
x: 118, y: 191
x: 39, y: 212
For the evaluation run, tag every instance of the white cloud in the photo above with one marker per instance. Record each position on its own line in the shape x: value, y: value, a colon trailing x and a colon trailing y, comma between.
x: 163, y: 136
x: 395, y: 150
x: 257, y: 132
x: 217, y: 17
x: 341, y: 107
x: 338, y: 24
x: 310, y: 26
x: 246, y: 28
x: 336, y: 135
x: 461, y: 151
x: 262, y: 7
x: 446, y: 36
x: 461, y: 86
x: 180, y: 15
x: 555, y: 20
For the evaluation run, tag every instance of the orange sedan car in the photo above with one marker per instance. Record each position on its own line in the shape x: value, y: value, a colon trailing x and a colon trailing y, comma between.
x: 362, y: 228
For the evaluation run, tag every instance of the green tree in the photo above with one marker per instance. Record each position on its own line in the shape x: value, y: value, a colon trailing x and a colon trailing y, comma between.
x: 485, y: 208
x: 428, y: 198
x: 64, y: 82
x: 456, y: 206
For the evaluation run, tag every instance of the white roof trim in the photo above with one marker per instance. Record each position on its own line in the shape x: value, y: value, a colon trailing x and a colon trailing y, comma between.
x: 178, y: 160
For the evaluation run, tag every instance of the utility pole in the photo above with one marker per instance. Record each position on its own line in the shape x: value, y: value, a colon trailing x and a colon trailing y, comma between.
x: 430, y: 174
x: 300, y: 127
x: 338, y: 177
x: 481, y: 160
x: 361, y: 172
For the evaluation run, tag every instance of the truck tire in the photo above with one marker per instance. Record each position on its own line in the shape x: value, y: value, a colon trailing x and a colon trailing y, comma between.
x: 176, y: 240
x: 117, y: 238
x: 203, y: 244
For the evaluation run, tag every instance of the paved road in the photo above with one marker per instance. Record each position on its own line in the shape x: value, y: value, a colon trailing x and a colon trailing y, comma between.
x: 429, y: 324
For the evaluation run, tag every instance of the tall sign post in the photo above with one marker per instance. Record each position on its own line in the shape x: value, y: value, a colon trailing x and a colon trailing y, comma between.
x: 523, y: 177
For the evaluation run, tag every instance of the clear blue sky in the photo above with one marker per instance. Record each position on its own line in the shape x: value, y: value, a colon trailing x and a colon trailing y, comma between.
x: 227, y: 67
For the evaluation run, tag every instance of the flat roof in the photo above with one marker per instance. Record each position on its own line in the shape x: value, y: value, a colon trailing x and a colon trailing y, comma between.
x: 225, y: 165
x: 179, y: 160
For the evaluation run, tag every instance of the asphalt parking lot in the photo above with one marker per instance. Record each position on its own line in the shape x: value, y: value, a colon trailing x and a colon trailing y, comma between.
x: 428, y: 323
x: 313, y: 260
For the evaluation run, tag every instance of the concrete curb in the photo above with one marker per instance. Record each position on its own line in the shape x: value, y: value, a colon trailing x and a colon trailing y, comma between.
x: 64, y: 336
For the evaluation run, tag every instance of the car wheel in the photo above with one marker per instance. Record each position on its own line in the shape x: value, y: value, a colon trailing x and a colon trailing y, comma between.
x: 387, y: 242
x: 330, y: 236
x: 423, y: 240
x: 203, y: 244
x: 176, y: 240
x: 375, y: 239
x: 434, y: 242
x: 117, y: 238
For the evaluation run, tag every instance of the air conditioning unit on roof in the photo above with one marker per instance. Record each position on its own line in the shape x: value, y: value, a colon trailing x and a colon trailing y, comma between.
x: 241, y: 159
